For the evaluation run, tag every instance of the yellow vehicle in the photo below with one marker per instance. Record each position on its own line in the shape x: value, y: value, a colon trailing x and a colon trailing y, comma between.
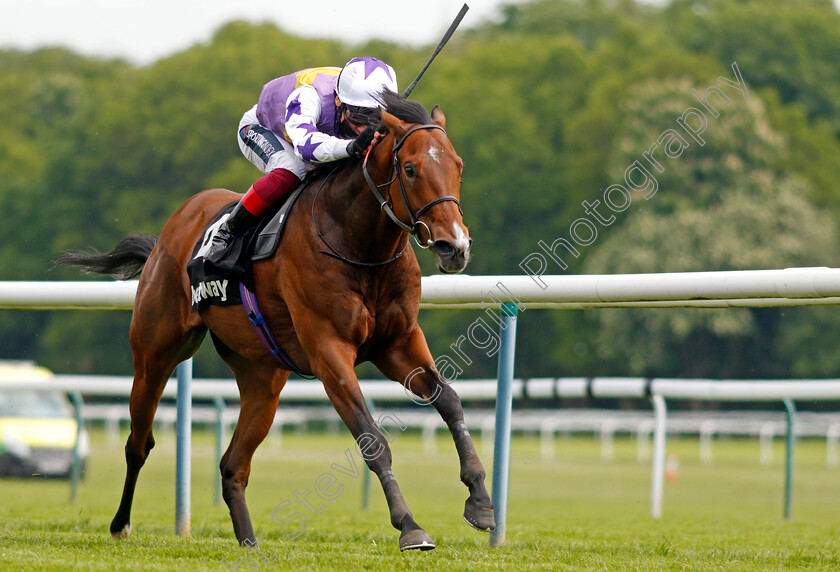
x: 38, y: 428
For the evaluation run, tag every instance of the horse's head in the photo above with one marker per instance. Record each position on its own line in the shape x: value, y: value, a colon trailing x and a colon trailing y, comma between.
x: 425, y: 188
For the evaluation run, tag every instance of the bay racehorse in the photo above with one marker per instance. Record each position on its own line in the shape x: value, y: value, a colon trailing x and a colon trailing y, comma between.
x: 341, y: 289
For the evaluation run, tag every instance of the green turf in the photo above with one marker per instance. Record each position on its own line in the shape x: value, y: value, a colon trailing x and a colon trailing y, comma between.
x: 575, y: 512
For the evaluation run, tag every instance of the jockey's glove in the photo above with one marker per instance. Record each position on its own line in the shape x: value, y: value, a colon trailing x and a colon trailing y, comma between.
x: 359, y: 145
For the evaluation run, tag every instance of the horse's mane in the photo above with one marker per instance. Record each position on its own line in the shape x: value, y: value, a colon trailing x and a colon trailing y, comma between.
x: 396, y: 105
x: 402, y: 108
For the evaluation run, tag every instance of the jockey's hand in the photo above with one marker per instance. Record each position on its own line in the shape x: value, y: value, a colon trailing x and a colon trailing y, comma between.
x: 377, y: 137
x: 360, y: 144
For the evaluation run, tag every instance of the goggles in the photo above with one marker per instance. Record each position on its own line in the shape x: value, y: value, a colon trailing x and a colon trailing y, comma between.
x: 362, y: 115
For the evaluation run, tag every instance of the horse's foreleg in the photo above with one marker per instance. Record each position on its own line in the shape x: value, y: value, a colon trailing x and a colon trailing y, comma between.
x: 260, y: 392
x: 336, y: 371
x: 478, y: 508
x: 411, y: 364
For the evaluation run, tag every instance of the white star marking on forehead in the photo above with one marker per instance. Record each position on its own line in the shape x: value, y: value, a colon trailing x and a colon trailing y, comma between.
x: 434, y: 153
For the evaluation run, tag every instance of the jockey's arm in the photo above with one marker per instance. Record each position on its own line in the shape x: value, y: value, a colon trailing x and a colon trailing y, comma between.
x: 303, y: 110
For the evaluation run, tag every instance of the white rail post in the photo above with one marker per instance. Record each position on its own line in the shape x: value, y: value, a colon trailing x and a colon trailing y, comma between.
x: 76, y: 467
x: 658, y: 478
x: 790, y: 442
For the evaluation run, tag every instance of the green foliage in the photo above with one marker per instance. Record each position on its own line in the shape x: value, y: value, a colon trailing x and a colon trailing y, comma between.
x: 722, y: 206
x: 791, y: 46
x: 547, y: 106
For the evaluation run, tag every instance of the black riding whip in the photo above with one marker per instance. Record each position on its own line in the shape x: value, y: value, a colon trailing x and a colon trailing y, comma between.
x: 442, y: 43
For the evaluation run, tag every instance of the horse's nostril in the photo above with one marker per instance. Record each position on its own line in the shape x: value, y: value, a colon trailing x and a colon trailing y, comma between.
x: 444, y: 248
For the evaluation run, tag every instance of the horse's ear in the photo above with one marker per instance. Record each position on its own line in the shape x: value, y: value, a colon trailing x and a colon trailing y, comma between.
x: 394, y: 124
x: 438, y: 116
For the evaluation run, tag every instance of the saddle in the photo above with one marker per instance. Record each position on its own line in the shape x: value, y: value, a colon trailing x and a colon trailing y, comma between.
x: 219, y: 283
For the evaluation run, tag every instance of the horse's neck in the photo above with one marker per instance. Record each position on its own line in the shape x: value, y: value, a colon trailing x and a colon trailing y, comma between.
x: 365, y: 229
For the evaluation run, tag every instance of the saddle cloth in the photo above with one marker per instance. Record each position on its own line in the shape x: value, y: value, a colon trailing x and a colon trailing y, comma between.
x: 219, y: 283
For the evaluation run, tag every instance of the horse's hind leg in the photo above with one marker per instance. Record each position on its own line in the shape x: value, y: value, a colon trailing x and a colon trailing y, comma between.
x: 159, y: 340
x: 259, y: 389
x: 411, y: 364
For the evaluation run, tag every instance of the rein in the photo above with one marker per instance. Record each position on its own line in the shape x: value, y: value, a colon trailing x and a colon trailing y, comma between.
x: 335, y: 253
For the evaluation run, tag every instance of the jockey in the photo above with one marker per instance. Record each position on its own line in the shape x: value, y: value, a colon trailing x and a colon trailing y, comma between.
x: 316, y: 115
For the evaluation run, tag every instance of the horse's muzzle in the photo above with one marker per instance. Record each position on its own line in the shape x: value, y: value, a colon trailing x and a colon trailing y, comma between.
x: 451, y: 258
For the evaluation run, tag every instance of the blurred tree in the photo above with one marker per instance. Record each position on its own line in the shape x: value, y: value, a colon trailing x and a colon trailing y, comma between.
x: 723, y: 206
x: 791, y: 45
x: 807, y: 341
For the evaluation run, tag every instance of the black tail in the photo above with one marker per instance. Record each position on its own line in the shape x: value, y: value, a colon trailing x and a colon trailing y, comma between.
x: 123, y: 263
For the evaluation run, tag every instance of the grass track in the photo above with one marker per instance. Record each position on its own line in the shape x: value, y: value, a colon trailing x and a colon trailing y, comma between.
x: 575, y: 512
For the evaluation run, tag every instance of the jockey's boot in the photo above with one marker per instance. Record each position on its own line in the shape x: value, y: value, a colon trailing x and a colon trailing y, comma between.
x: 237, y: 223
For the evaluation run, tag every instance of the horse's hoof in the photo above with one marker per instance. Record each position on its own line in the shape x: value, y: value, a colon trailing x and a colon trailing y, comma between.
x: 482, y: 519
x: 123, y: 533
x: 416, y: 539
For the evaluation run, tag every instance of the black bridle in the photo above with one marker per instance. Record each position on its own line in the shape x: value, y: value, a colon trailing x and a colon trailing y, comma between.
x: 414, y: 224
x: 413, y: 228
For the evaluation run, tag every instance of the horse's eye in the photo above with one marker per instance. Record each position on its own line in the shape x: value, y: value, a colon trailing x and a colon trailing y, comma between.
x: 409, y: 170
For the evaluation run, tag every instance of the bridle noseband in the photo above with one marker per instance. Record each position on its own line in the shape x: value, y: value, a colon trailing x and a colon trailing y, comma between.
x: 413, y: 227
